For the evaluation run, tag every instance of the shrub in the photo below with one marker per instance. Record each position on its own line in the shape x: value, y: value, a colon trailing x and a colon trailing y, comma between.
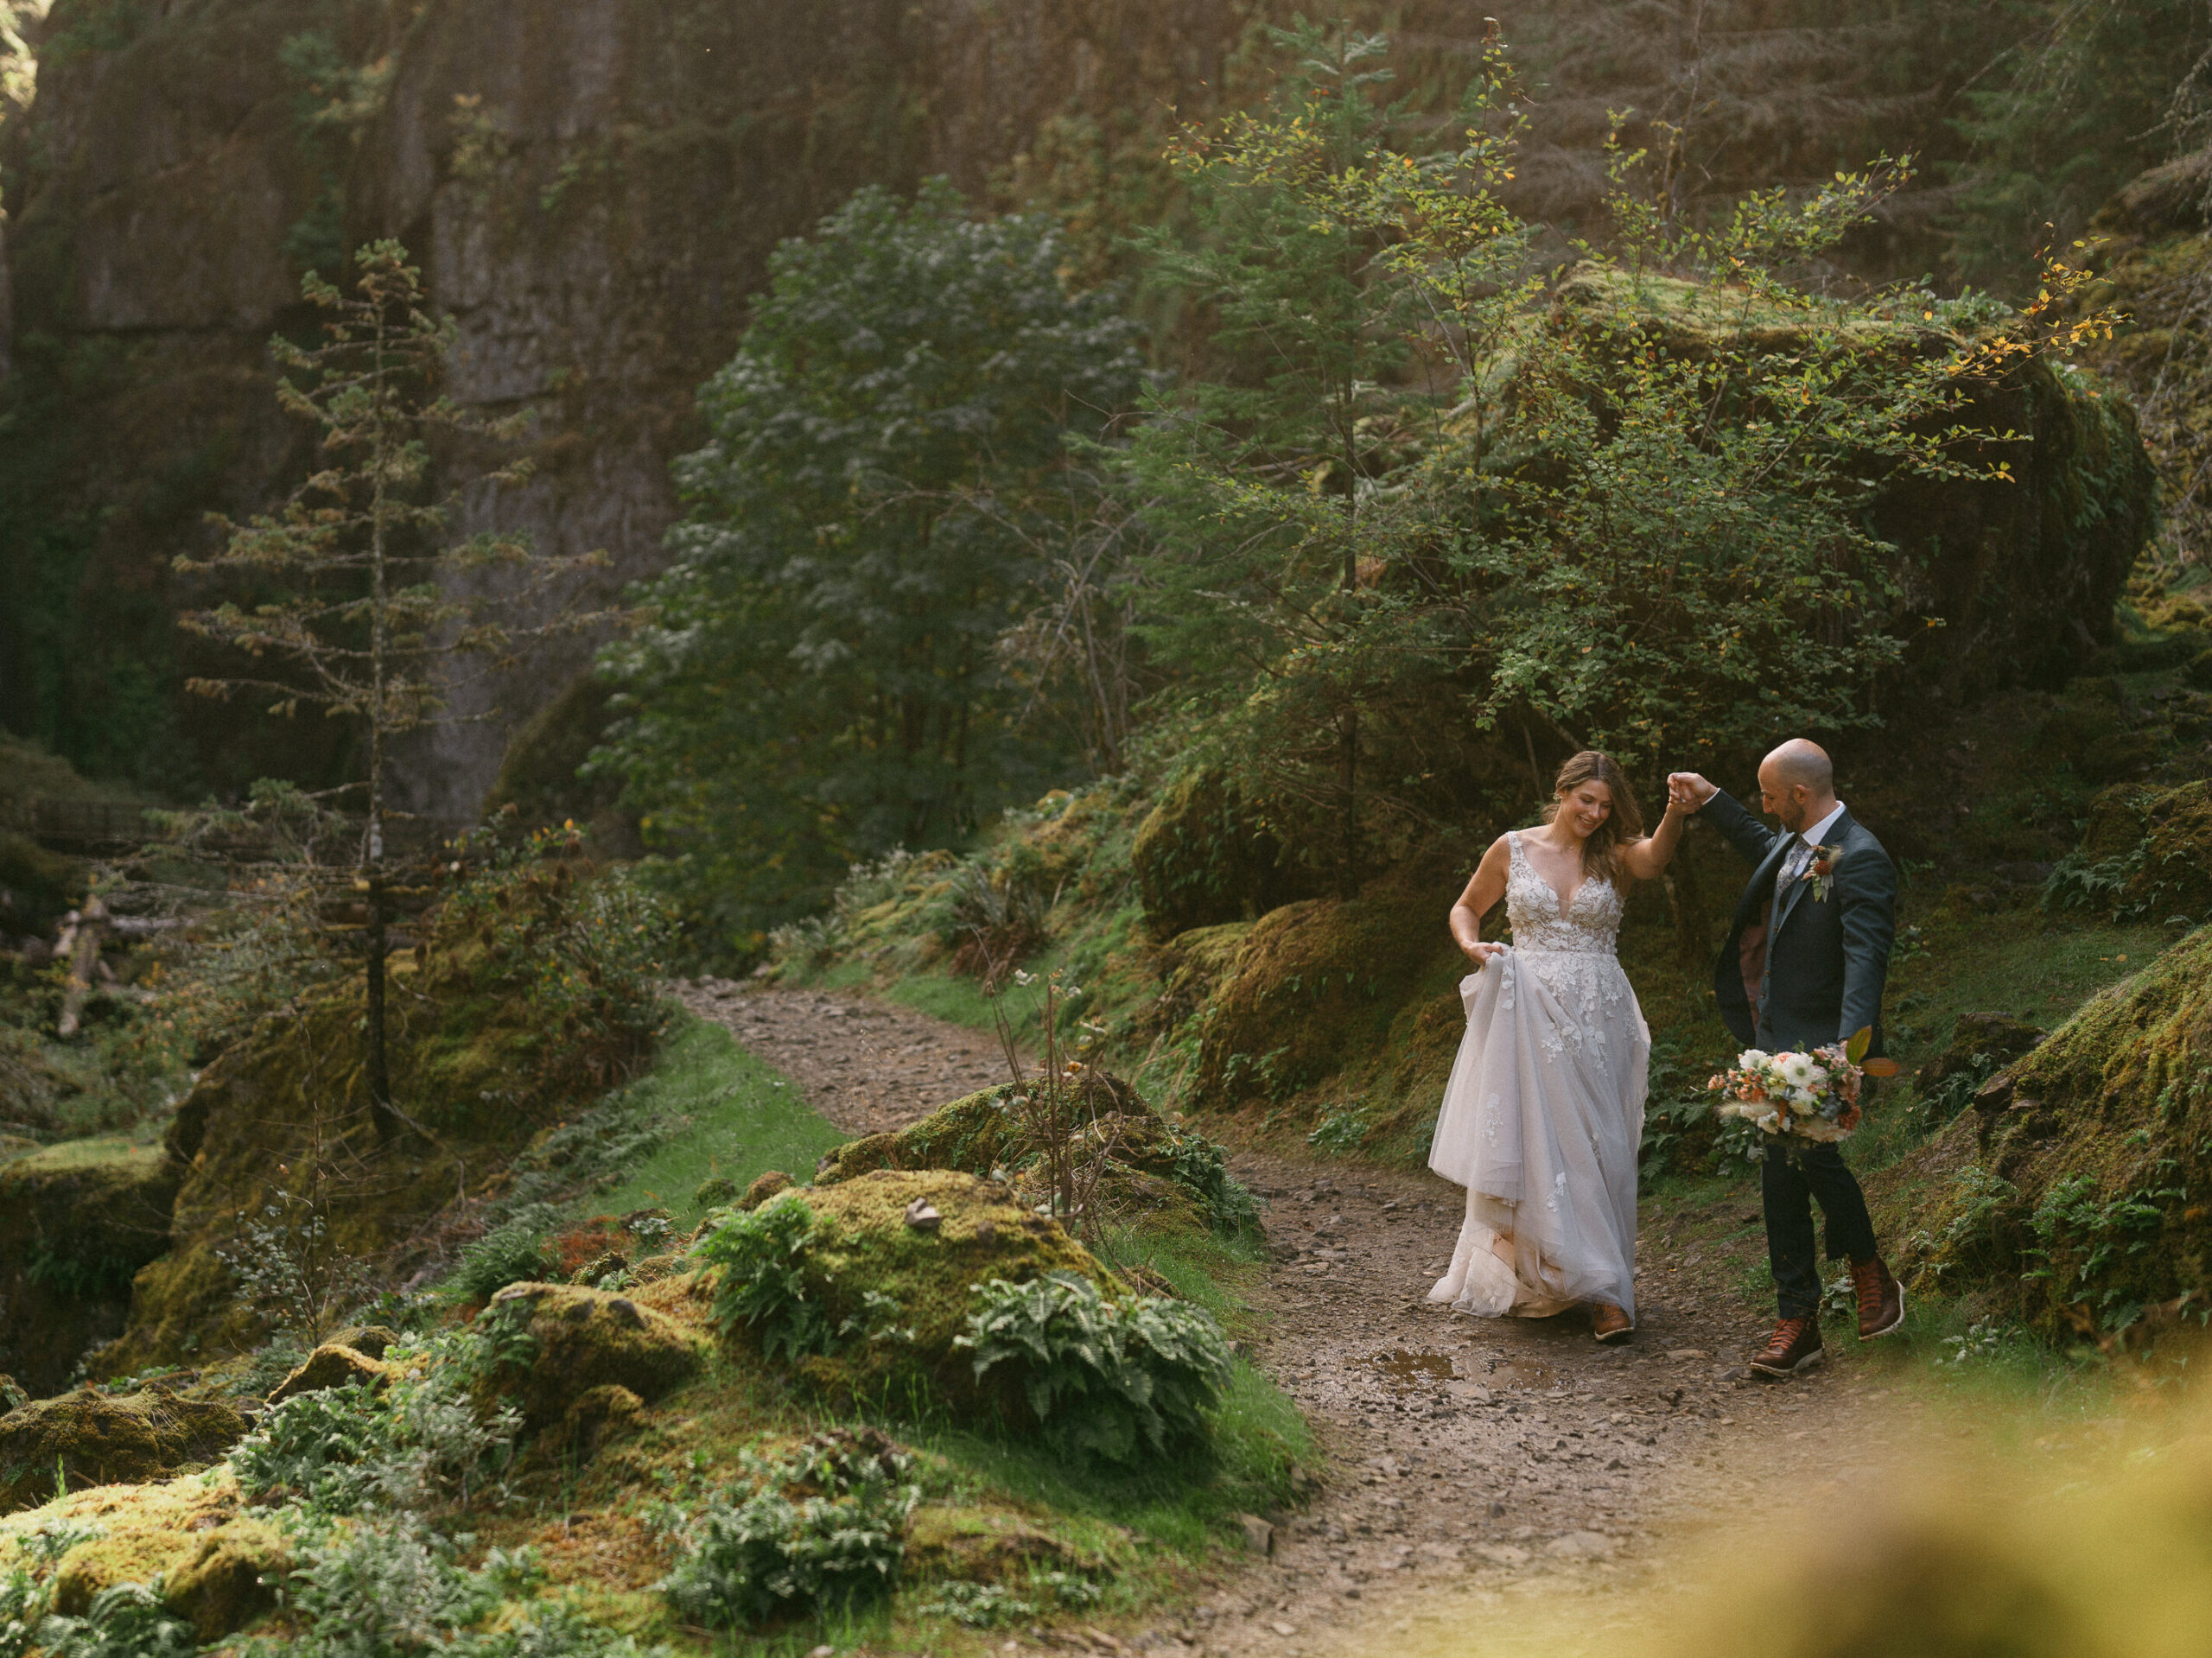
x: 421, y: 1440
x: 762, y: 1256
x: 1107, y: 1381
x: 1201, y: 1168
x: 824, y: 1529
x: 512, y: 1252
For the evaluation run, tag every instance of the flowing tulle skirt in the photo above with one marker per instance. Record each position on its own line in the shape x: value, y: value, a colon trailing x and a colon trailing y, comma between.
x: 1541, y: 1123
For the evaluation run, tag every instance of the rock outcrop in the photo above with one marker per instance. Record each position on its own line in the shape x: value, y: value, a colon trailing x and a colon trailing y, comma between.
x: 88, y: 1438
x: 77, y: 1220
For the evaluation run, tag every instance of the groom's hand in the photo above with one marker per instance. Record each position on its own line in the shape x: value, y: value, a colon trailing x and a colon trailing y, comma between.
x: 1689, y: 790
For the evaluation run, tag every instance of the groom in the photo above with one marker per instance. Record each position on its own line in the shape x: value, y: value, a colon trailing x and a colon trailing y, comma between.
x: 1804, y: 968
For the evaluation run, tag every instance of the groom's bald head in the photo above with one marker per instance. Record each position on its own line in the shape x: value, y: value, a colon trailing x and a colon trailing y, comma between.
x: 1797, y: 782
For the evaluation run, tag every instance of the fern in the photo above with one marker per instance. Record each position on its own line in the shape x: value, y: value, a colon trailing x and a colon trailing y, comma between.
x: 762, y: 1256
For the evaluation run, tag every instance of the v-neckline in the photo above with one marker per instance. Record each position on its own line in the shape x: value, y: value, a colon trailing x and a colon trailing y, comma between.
x: 1566, y: 909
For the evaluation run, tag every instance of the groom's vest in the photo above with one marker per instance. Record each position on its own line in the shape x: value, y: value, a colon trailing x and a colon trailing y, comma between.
x: 1801, y: 969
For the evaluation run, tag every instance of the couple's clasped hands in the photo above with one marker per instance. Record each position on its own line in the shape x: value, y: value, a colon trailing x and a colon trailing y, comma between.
x: 1686, y: 792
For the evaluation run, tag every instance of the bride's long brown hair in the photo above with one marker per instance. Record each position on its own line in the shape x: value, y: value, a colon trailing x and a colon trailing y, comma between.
x: 1601, y: 853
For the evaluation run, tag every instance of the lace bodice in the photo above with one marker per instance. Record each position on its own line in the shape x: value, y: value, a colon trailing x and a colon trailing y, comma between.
x: 1590, y: 925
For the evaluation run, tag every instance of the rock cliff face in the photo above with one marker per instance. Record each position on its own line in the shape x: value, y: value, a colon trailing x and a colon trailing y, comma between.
x: 593, y: 187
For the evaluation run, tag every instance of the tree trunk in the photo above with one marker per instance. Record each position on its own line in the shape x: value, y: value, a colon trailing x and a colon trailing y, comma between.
x: 1348, y: 729
x: 1692, y: 937
x: 386, y: 1119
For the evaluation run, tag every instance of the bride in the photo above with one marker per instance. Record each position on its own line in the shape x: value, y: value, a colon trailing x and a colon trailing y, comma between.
x: 1544, y: 1111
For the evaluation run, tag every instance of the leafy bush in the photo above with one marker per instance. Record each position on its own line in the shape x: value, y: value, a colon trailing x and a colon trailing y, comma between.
x: 1113, y: 1382
x: 420, y: 1441
x: 514, y: 1251
x: 1201, y: 1168
x: 824, y: 1529
x: 762, y: 1254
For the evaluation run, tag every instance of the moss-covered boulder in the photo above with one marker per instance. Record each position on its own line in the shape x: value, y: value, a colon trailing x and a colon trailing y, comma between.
x: 948, y: 1542
x: 473, y: 1056
x: 89, y: 1438
x: 1203, y: 856
x: 886, y: 1270
x: 976, y: 1134
x: 1317, y: 985
x: 77, y: 1220
x: 333, y: 1364
x: 558, y: 1341
x: 2146, y: 854
x: 218, y: 1564
x: 1980, y: 1045
x: 2067, y: 1196
x: 229, y: 1578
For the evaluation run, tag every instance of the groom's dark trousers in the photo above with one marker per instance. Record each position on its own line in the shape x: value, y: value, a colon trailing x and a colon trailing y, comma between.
x: 1799, y: 971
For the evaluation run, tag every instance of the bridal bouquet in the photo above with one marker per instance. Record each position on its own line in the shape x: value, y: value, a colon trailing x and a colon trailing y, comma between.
x: 1802, y: 1096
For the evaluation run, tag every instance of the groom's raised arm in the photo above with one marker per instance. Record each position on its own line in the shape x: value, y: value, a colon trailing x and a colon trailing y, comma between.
x: 1742, y: 830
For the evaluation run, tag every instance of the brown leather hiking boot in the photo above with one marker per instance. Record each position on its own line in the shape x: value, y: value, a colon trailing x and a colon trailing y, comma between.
x: 1608, y: 1323
x: 1881, y: 1299
x: 1794, y: 1348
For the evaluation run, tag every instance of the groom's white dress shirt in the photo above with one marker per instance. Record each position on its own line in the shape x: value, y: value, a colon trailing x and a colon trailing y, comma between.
x: 1794, y: 860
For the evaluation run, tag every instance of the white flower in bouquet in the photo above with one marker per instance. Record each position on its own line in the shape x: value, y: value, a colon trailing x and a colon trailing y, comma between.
x: 1753, y: 1059
x: 1797, y: 1070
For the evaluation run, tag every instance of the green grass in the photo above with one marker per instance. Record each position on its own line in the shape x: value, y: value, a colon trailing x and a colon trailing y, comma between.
x: 730, y: 1115
x: 1187, y: 1505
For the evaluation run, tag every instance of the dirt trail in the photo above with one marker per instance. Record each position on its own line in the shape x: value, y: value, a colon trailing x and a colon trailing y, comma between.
x: 1478, y: 1467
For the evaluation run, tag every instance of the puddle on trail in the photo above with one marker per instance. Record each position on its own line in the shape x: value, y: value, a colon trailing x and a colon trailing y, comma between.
x: 1520, y: 1373
x: 1415, y: 1370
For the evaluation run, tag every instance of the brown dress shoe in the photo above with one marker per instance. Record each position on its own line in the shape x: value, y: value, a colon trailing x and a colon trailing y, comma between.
x: 1881, y: 1299
x: 1610, y: 1323
x: 1794, y: 1348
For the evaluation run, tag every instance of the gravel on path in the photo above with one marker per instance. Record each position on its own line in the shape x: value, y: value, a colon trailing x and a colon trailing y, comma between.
x: 1479, y: 1471
x: 870, y: 1066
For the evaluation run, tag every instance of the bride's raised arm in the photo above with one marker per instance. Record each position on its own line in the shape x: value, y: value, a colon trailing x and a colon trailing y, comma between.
x: 1644, y: 859
x: 1485, y: 888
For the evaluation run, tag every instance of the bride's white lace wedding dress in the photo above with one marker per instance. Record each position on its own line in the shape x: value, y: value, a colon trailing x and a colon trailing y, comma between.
x: 1545, y: 1109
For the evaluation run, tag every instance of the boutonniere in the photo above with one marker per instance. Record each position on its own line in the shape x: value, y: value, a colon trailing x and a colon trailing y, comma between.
x: 1821, y: 871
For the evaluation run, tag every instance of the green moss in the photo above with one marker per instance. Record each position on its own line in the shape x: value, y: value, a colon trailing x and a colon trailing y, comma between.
x: 77, y: 1220
x: 559, y: 1342
x: 1201, y: 857
x: 972, y: 1545
x: 89, y: 1438
x: 2073, y: 1206
x: 898, y: 1350
x: 975, y: 1134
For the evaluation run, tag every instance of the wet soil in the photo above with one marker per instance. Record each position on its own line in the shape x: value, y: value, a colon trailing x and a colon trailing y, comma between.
x: 1477, y: 1468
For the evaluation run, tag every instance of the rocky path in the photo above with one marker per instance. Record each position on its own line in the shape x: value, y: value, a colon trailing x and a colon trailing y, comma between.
x: 866, y: 1064
x: 1507, y: 1472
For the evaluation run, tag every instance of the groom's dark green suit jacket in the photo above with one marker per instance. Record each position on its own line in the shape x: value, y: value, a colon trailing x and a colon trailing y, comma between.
x: 1807, y: 970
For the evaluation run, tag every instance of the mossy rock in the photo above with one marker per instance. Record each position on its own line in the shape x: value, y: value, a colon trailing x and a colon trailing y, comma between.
x: 78, y: 1220
x: 862, y: 1245
x: 2064, y: 1196
x: 1203, y: 856
x: 2114, y: 827
x: 215, y: 1562
x: 1317, y: 986
x: 1980, y: 1043
x: 470, y: 1057
x: 975, y: 1133
x: 598, y: 1415
x: 580, y: 1339
x: 2175, y: 875
x: 94, y: 1439
x: 763, y: 1187
x: 951, y: 1543
x: 229, y: 1579
x: 2089, y: 729
x: 333, y: 1364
